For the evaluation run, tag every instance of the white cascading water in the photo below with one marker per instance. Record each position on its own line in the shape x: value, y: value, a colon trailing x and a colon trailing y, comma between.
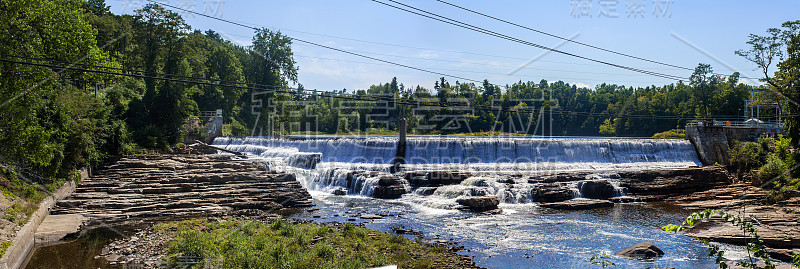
x: 327, y: 163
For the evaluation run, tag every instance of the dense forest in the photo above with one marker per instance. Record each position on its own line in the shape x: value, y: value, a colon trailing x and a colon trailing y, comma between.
x: 134, y: 81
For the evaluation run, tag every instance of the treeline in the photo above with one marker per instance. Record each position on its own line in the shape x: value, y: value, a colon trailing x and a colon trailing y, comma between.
x: 543, y: 108
x: 56, y: 119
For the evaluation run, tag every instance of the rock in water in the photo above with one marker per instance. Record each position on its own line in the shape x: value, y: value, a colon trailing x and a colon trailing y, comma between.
x: 370, y: 216
x: 435, y: 178
x: 643, y: 250
x: 340, y: 191
x: 389, y: 187
x: 596, y: 189
x: 579, y: 204
x: 479, y: 204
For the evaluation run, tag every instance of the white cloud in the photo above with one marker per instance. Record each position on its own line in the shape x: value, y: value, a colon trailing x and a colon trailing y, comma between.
x: 428, y: 55
x: 581, y: 85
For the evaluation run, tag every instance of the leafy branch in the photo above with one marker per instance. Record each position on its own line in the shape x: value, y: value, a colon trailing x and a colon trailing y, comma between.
x: 755, y: 245
x: 602, y: 259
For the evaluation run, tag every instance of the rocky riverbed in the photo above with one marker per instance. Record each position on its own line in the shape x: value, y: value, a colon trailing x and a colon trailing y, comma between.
x: 179, y: 186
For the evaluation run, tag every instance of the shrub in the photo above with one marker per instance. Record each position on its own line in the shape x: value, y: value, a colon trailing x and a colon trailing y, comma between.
x: 325, y: 251
x: 774, y: 170
x: 674, y: 133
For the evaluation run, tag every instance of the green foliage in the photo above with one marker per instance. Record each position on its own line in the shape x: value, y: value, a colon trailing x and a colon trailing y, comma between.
x: 607, y: 128
x: 674, y: 133
x: 781, y: 46
x: 282, y: 244
x: 770, y: 162
x: 11, y: 213
x: 3, y: 247
x: 774, y: 168
x: 603, y: 260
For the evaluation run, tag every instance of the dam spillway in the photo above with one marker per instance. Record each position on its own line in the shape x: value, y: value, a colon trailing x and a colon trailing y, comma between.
x: 579, y: 153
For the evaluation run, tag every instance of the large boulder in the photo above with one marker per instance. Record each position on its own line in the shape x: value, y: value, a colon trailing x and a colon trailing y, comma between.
x: 435, y: 178
x: 644, y: 250
x: 551, y: 192
x: 480, y: 203
x: 340, y: 191
x: 389, y: 187
x: 596, y: 189
x: 578, y: 204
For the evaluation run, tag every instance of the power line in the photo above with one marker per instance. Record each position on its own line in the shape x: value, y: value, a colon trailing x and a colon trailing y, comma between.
x: 570, y: 40
x: 495, y: 73
x: 412, y: 102
x: 407, y: 66
x: 411, y: 67
x: 563, y: 38
x: 509, y: 38
x: 348, y: 52
x: 320, y: 45
x: 130, y: 71
x: 421, y: 48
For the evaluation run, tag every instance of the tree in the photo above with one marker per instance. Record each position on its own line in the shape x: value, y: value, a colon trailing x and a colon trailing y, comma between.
x: 224, y: 65
x: 781, y: 45
x: 97, y: 7
x: 48, y: 125
x: 161, y: 29
x: 704, y: 82
x: 270, y: 63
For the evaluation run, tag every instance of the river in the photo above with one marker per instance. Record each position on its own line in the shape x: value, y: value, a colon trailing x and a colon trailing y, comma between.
x: 524, y: 235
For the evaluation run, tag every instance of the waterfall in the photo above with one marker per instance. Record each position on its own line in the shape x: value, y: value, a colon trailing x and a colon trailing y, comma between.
x: 533, y: 150
x: 457, y: 150
x: 344, y: 150
x: 357, y: 163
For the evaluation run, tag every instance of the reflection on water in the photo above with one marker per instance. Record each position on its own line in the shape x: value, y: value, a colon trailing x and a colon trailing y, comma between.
x: 78, y: 253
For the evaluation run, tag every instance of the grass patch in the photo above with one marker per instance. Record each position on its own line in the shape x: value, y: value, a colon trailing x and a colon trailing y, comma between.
x: 3, y: 247
x: 674, y: 133
x: 281, y: 244
x: 24, y: 196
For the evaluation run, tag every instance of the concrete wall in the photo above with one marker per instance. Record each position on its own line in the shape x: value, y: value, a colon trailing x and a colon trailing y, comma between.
x: 710, y: 142
x: 23, y: 242
x: 748, y: 133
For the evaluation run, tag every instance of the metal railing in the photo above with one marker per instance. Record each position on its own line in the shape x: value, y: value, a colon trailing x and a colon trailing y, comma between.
x: 737, y: 124
x: 210, y: 113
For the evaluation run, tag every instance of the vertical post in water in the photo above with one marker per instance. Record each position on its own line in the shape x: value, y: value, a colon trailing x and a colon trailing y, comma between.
x: 400, y: 156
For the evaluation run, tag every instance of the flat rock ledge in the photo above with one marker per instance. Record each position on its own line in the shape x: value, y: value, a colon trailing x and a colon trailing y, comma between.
x: 579, y: 204
x: 178, y: 185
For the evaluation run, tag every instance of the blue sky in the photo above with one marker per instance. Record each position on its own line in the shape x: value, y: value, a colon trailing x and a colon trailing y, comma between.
x: 682, y: 33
